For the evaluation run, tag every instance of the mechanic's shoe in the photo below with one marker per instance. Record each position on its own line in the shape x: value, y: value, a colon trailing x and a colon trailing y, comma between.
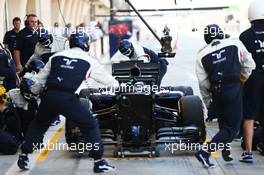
x: 23, y: 162
x: 246, y: 157
x: 102, y: 166
x: 227, y: 156
x: 260, y: 148
x: 203, y: 157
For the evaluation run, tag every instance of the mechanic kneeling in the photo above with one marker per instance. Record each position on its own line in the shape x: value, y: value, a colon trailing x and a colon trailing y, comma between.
x: 34, y: 64
x: 136, y: 52
x: 62, y: 75
x: 8, y: 140
x: 221, y: 67
x: 7, y: 70
x: 9, y: 126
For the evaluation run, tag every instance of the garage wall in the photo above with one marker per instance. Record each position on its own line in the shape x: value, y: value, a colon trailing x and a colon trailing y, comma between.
x: 74, y: 11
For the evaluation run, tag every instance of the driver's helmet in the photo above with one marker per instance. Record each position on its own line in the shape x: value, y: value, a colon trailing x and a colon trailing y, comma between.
x: 126, y: 48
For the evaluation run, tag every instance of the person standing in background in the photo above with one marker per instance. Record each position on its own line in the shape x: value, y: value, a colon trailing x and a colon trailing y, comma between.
x: 56, y: 30
x: 11, y: 36
x: 26, y: 41
x: 68, y: 30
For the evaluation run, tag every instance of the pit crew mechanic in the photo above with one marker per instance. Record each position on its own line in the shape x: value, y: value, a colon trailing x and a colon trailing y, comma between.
x: 44, y: 49
x: 7, y: 69
x: 136, y: 52
x: 8, y: 141
x: 26, y: 41
x: 253, y: 39
x: 36, y: 62
x: 9, y: 126
x: 11, y: 36
x: 62, y: 75
x: 220, y: 68
x: 9, y: 134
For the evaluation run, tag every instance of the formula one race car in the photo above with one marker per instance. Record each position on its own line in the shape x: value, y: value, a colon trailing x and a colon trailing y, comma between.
x: 138, y: 115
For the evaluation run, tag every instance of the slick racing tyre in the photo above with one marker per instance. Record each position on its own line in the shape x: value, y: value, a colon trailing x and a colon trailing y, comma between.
x: 191, y: 111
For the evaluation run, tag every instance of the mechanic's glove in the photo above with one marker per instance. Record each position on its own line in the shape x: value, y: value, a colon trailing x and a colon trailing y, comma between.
x: 35, y: 87
x: 243, y: 79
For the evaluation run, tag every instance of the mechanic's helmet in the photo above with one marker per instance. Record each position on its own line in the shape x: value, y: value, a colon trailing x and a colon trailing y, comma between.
x: 211, y: 32
x: 35, y: 65
x: 126, y: 48
x: 44, y: 38
x: 256, y: 10
x: 79, y: 40
x: 25, y: 88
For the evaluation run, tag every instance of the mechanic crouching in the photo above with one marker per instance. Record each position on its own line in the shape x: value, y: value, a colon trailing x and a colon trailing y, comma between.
x: 136, y: 52
x: 221, y: 68
x: 62, y: 76
x: 9, y: 125
x: 9, y: 134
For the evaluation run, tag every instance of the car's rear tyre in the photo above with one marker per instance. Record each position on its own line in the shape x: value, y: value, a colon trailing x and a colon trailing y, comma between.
x: 191, y: 111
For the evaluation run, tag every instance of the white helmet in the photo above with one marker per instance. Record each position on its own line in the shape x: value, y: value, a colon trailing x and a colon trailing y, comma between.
x: 256, y: 10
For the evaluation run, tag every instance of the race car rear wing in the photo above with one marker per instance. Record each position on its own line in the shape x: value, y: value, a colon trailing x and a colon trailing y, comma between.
x: 137, y: 70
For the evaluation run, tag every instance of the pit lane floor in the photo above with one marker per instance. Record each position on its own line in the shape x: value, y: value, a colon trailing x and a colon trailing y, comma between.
x: 180, y: 72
